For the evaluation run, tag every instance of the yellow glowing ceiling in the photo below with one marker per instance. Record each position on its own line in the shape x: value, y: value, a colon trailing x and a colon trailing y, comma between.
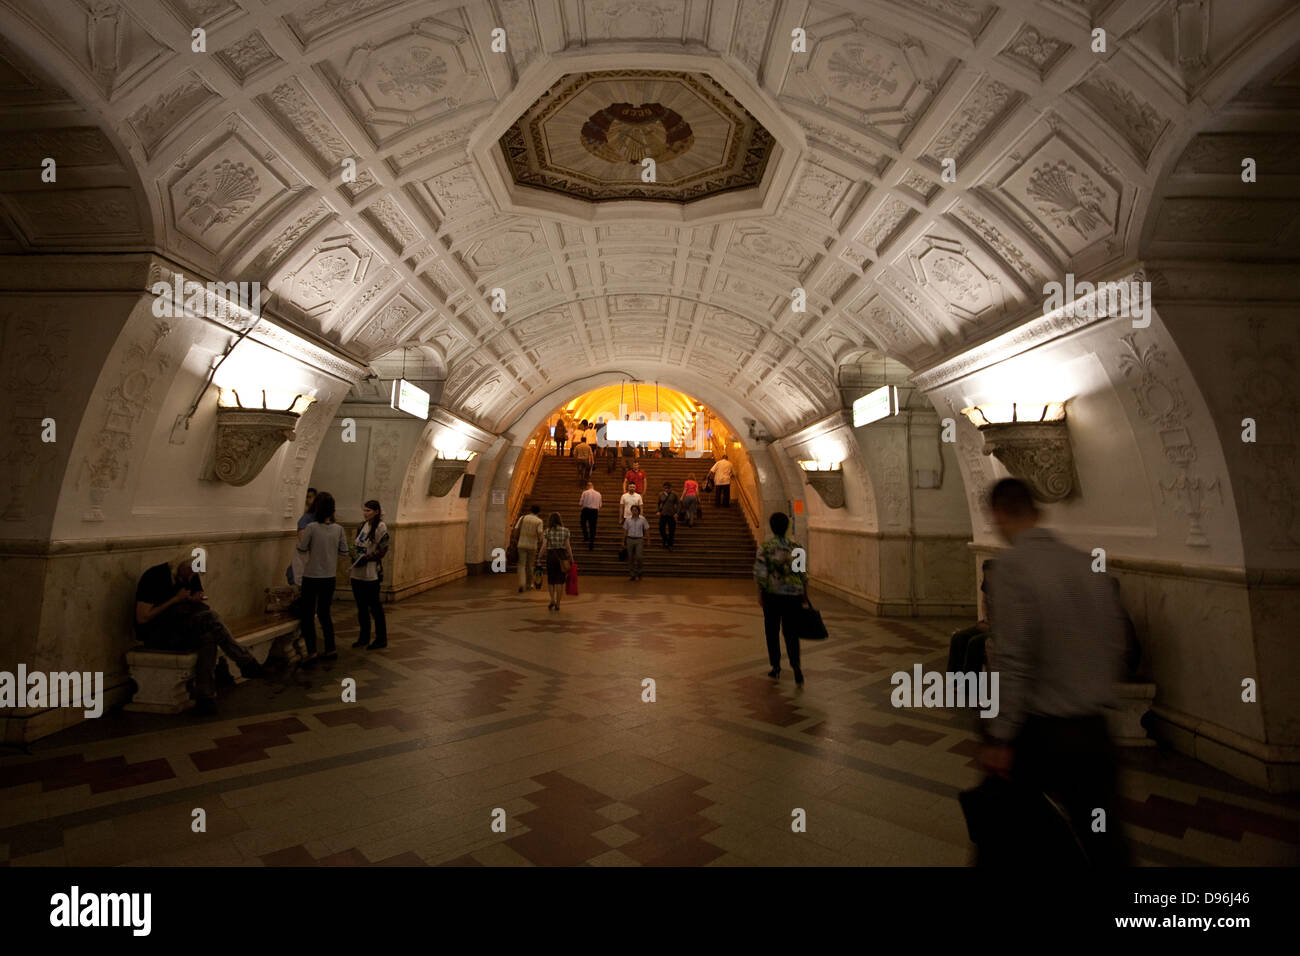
x: 640, y: 397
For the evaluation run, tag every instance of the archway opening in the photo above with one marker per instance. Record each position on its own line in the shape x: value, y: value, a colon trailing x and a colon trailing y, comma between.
x: 670, y: 447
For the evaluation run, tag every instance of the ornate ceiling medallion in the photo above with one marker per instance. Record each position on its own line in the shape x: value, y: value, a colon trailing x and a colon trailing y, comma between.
x: 589, y: 133
x: 623, y: 133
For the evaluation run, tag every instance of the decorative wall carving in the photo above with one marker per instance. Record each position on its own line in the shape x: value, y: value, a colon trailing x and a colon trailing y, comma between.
x: 36, y: 350
x: 1160, y: 401
x: 311, y: 429
x: 106, y: 466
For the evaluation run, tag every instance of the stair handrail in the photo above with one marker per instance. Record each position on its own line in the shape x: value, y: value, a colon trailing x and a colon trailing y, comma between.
x: 738, y: 491
x: 531, y: 459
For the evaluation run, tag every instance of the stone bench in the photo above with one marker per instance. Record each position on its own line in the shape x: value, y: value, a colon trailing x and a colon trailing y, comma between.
x: 1124, y: 717
x: 162, y: 678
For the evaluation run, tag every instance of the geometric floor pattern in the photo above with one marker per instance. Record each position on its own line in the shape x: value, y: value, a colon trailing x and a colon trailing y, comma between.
x: 487, y: 706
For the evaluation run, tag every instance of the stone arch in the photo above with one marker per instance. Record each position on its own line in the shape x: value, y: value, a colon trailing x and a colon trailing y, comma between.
x: 97, y: 199
x: 487, y: 517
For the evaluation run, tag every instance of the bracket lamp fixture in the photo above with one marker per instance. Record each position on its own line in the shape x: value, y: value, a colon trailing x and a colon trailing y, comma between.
x: 252, y: 424
x: 827, y: 479
x: 1031, y: 441
x: 449, y: 464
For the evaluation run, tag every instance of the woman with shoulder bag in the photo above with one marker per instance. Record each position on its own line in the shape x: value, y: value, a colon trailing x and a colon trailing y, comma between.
x: 558, y: 555
x: 368, y: 574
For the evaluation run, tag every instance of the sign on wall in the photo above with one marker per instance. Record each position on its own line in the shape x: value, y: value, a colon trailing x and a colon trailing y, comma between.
x: 639, y: 431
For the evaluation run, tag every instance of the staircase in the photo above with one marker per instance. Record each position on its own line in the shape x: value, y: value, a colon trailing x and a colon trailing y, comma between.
x: 719, y: 545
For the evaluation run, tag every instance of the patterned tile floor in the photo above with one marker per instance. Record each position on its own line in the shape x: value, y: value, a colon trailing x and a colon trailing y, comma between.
x: 485, y: 701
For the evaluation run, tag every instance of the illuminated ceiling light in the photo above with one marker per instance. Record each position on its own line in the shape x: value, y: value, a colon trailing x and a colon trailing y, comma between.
x: 810, y: 464
x: 1032, y: 442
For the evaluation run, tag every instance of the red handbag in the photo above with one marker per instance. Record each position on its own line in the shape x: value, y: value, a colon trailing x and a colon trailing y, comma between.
x: 571, y: 581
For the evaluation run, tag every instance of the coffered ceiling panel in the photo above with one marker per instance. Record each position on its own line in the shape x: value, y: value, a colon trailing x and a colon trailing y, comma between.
x: 366, y: 160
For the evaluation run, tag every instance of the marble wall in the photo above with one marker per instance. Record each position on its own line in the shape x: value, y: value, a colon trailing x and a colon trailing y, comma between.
x: 127, y: 484
x: 893, y: 549
x: 1182, y: 508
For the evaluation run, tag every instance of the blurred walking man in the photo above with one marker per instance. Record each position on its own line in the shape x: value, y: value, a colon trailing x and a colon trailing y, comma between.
x: 1059, y: 649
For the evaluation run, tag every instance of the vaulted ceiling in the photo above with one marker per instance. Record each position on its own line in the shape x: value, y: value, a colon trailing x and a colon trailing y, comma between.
x: 235, y: 162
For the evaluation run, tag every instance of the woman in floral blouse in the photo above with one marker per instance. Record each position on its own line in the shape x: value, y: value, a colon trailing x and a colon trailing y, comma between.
x: 558, y: 556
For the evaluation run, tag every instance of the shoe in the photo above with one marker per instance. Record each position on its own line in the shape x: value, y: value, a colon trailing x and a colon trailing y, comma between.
x: 205, y: 707
x: 798, y: 677
x: 521, y: 589
x: 361, y: 643
x: 252, y: 671
x: 774, y: 673
x: 550, y: 606
x: 330, y: 656
x: 309, y: 661
x: 378, y: 646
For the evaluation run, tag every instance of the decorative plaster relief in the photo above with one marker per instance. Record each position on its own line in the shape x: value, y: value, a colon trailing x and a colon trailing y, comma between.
x: 127, y: 401
x: 288, y: 237
x: 248, y: 57
x: 1136, y: 120
x: 1035, y: 50
x: 1160, y: 401
x: 303, y: 120
x: 618, y: 19
x: 1077, y: 204
x: 388, y: 217
x: 37, y: 352
x: 973, y: 120
x: 159, y: 117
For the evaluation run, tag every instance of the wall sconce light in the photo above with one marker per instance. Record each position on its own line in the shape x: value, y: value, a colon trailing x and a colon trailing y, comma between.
x: 252, y: 424
x: 827, y: 479
x: 1031, y: 441
x: 448, y: 466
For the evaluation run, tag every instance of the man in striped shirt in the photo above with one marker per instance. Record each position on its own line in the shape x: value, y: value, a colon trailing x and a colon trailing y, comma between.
x: 1058, y: 650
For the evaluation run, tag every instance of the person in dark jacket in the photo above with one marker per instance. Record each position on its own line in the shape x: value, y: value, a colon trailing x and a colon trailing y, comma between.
x: 668, y: 505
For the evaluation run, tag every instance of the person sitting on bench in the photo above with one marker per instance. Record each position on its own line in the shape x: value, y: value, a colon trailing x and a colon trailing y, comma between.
x: 173, y: 615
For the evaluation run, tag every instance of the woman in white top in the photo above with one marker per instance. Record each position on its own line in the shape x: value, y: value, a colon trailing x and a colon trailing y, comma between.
x: 323, y: 541
x: 368, y: 573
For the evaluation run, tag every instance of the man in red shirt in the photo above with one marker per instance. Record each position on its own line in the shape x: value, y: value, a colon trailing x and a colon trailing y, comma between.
x: 636, y: 475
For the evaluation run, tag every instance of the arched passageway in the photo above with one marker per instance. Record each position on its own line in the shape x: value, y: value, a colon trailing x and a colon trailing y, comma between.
x: 926, y: 202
